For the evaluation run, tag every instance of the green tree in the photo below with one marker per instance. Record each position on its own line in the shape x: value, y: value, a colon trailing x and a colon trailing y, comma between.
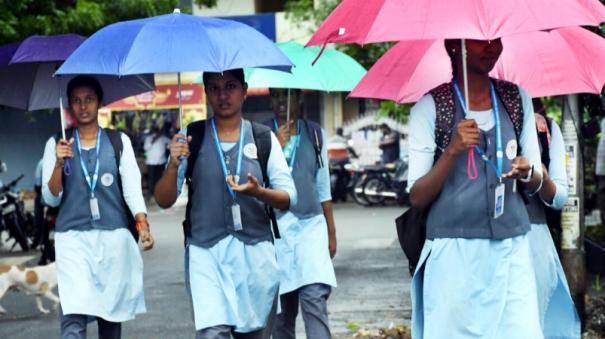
x: 22, y: 18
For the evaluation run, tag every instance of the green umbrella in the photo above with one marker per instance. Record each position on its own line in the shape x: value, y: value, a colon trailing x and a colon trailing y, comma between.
x: 334, y: 71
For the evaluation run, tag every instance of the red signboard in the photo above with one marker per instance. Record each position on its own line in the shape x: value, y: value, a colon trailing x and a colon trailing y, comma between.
x: 164, y: 96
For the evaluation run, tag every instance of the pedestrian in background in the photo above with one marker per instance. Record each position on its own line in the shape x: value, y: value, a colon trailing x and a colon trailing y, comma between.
x: 389, y: 144
x: 156, y: 149
x: 558, y: 315
x: 308, y: 232
x: 600, y: 173
x: 475, y: 275
x: 230, y: 267
x: 99, y: 266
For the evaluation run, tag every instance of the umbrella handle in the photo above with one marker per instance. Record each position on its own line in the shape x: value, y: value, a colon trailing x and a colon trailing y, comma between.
x: 67, y: 167
x: 471, y: 165
x: 182, y: 141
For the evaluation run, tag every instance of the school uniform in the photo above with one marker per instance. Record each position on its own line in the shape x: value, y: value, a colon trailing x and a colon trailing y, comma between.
x: 475, y: 278
x: 306, y: 270
x: 231, y: 272
x: 558, y: 315
x: 99, y: 265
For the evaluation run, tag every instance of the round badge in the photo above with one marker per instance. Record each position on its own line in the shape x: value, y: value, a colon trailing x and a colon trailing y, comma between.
x: 107, y: 179
x: 511, y: 149
x: 250, y: 151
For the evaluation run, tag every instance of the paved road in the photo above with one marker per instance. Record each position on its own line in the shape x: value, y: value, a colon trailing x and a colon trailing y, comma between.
x: 371, y: 270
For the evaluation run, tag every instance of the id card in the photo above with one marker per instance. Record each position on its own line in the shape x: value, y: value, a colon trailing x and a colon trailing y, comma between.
x: 499, y: 199
x: 94, y: 209
x: 237, y: 217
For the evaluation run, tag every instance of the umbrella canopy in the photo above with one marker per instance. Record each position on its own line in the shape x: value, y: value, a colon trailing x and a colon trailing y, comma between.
x: 27, y: 68
x: 362, y: 21
x: 333, y: 72
x: 174, y: 43
x: 562, y: 61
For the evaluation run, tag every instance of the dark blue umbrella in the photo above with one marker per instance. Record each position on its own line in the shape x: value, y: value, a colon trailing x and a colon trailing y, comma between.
x: 27, y: 68
x: 174, y: 43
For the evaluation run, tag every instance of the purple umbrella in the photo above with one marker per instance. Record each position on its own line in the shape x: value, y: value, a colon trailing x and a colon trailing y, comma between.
x: 27, y: 68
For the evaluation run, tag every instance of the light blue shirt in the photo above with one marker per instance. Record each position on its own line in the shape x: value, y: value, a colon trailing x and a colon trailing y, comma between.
x: 422, y: 135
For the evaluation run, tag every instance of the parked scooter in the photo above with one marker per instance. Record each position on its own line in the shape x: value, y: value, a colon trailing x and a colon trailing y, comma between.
x: 20, y: 224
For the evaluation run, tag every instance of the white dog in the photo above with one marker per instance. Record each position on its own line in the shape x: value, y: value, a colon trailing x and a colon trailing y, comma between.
x: 39, y: 281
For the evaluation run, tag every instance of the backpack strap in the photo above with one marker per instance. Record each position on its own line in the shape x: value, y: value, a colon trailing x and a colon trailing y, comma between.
x: 262, y: 139
x: 115, y: 138
x: 511, y: 98
x: 314, y: 132
x: 445, y: 110
x: 196, y: 130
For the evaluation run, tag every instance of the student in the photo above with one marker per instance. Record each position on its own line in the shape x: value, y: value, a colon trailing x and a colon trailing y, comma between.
x: 475, y: 277
x: 155, y: 147
x: 558, y: 315
x: 230, y: 266
x: 308, y: 234
x: 99, y: 266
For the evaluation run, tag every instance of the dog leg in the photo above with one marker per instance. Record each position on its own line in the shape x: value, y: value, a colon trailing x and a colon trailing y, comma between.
x: 40, y: 306
x: 51, y: 296
x: 2, y: 310
x: 4, y: 286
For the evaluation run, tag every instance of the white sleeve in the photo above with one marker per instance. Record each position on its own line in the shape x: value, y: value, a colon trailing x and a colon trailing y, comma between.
x: 131, y: 178
x: 529, y: 136
x: 48, y: 166
x: 279, y: 172
x: 323, y: 174
x: 422, y: 139
x: 556, y: 168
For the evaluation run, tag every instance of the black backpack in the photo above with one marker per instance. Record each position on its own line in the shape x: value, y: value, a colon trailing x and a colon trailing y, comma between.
x: 553, y: 217
x: 411, y: 225
x: 262, y: 140
x: 115, y: 139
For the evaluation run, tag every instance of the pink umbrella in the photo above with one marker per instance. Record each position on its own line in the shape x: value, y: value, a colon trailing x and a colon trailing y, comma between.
x: 562, y: 61
x: 367, y: 21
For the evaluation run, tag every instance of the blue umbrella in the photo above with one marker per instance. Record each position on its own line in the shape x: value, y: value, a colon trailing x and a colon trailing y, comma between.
x: 174, y: 43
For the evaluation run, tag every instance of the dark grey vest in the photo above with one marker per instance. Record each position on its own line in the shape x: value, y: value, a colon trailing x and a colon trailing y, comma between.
x: 74, y: 211
x: 535, y: 210
x: 211, y: 218
x: 304, y: 174
x: 465, y: 208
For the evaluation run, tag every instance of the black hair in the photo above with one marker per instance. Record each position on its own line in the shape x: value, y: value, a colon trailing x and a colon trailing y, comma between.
x: 538, y: 106
x: 238, y: 73
x: 85, y: 81
x: 452, y: 54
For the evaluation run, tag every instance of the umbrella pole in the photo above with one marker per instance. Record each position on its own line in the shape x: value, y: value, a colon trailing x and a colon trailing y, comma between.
x: 66, y: 164
x: 465, y: 75
x: 178, y: 77
x: 288, y: 108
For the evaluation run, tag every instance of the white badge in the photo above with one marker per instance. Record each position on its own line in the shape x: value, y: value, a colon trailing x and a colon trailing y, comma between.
x: 511, y: 149
x: 94, y: 209
x: 250, y: 151
x: 107, y: 179
x: 499, y: 201
x: 237, y: 217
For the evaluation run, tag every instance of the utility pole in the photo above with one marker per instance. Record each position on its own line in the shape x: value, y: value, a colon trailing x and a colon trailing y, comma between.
x: 573, y: 257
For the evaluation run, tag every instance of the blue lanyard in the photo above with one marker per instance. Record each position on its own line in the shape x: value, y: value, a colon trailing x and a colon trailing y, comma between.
x: 92, y: 182
x: 221, y: 154
x: 296, y: 143
x: 496, y: 110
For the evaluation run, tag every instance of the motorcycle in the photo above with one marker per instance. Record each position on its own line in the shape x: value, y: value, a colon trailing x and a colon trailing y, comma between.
x: 18, y: 223
x: 386, y: 182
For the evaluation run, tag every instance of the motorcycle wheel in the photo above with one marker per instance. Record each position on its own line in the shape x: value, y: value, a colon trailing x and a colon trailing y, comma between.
x: 16, y: 232
x: 377, y: 185
x: 357, y: 193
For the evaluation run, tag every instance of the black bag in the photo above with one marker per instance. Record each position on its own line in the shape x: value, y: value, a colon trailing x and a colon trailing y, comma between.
x: 411, y: 233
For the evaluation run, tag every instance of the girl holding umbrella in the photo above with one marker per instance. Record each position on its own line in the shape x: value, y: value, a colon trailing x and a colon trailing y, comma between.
x: 475, y: 277
x: 230, y: 262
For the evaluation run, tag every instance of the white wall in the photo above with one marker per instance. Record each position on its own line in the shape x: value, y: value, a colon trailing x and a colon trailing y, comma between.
x: 227, y: 8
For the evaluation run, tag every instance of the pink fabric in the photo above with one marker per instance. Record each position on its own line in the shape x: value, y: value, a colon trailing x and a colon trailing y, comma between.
x: 367, y: 21
x: 562, y: 61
